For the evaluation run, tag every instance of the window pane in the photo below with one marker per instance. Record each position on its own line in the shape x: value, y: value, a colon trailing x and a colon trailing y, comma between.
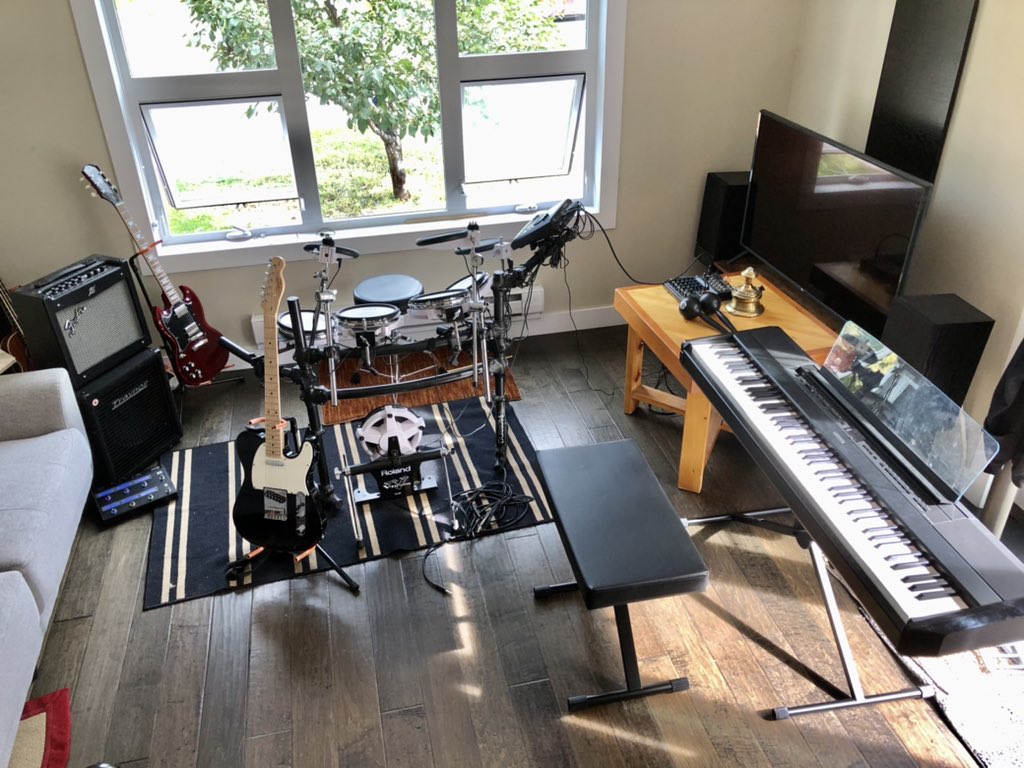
x: 162, y: 38
x: 520, y: 26
x: 228, y: 218
x: 519, y: 129
x: 353, y: 175
x: 222, y: 153
x: 370, y: 75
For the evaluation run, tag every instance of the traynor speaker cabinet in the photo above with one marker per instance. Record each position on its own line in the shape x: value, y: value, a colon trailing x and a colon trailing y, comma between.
x: 130, y: 416
x: 85, y: 317
x: 942, y: 336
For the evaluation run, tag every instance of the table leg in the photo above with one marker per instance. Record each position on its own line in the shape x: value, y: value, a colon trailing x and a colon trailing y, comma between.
x: 701, y: 426
x: 634, y: 370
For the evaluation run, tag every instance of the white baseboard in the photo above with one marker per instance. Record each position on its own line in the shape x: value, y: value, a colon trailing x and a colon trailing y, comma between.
x: 580, y: 319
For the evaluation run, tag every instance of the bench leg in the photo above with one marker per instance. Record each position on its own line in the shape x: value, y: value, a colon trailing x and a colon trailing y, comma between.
x: 633, y: 689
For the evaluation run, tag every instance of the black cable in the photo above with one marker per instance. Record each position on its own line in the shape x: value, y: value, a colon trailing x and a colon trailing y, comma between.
x: 495, y: 506
x: 590, y: 234
x: 579, y: 345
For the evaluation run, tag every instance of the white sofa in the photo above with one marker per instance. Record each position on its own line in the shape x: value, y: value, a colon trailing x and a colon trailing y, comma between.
x: 45, y: 476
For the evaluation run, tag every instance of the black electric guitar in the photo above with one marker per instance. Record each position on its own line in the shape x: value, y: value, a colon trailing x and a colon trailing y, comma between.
x: 194, y: 351
x: 13, y: 339
x: 276, y: 506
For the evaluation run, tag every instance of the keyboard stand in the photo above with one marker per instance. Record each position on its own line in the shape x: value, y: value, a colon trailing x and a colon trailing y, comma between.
x: 857, y: 697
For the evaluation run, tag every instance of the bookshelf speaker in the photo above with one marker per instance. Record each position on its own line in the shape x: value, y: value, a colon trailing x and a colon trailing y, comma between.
x: 940, y: 335
x: 721, y: 216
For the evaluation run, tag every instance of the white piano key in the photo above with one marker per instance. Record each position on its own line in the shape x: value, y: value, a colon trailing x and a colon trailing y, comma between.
x: 842, y: 500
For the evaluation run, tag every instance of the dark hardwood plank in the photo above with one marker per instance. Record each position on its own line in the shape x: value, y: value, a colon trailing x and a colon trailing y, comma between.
x: 356, y: 703
x: 501, y: 741
x: 222, y: 727
x: 407, y: 738
x: 93, y: 698
x: 135, y: 709
x: 314, y: 736
x: 81, y: 587
x: 538, y: 711
x: 442, y: 680
x: 564, y: 653
x: 268, y: 700
x: 509, y: 621
x: 180, y: 692
x: 394, y: 648
x: 62, y: 655
x: 271, y: 750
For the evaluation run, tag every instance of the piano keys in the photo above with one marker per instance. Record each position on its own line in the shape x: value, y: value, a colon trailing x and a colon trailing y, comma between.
x: 928, y: 572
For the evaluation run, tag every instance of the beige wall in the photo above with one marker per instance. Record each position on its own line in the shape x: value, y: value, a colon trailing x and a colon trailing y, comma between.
x: 837, y: 72
x: 697, y: 71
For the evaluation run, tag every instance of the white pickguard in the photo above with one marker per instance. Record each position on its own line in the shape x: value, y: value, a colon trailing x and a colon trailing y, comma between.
x: 286, y: 474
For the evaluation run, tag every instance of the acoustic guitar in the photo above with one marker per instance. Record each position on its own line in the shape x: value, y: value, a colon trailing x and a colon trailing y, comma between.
x: 13, y: 342
x: 277, y: 505
x: 194, y: 351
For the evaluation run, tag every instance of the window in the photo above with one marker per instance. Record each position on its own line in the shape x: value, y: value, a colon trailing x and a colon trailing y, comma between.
x: 239, y: 120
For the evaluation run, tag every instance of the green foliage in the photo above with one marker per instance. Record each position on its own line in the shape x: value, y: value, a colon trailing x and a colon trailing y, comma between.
x: 373, y: 58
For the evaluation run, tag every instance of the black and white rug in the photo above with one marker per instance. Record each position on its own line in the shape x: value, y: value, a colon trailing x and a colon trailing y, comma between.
x: 194, y: 538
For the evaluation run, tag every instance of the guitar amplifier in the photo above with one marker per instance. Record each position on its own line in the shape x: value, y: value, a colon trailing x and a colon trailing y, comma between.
x: 130, y: 416
x: 86, y: 318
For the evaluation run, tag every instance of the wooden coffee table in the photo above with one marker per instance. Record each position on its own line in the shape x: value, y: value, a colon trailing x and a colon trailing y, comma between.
x: 656, y: 324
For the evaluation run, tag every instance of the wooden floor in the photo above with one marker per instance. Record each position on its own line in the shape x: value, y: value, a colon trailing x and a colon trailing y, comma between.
x: 304, y: 673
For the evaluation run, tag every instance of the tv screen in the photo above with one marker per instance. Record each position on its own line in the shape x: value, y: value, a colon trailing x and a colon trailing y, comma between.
x: 838, y: 224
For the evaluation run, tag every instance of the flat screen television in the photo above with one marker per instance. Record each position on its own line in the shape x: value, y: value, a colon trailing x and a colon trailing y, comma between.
x: 838, y: 224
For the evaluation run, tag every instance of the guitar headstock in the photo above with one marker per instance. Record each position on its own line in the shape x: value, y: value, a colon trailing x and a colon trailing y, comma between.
x: 273, y: 287
x: 101, y: 184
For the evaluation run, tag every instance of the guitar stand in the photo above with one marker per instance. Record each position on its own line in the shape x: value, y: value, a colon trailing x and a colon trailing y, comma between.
x: 235, y: 570
x: 857, y: 696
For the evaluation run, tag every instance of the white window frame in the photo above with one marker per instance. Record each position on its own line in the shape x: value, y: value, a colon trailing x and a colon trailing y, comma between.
x: 117, y: 104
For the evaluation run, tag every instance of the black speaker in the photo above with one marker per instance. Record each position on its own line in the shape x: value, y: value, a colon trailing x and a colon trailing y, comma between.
x: 85, y: 317
x: 940, y: 335
x: 130, y: 416
x: 917, y: 87
x: 721, y: 216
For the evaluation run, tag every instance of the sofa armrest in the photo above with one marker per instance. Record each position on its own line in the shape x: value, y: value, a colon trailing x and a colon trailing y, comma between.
x: 36, y: 403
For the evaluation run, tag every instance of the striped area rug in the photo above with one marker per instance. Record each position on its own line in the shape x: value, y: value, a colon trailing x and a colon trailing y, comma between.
x: 194, y: 538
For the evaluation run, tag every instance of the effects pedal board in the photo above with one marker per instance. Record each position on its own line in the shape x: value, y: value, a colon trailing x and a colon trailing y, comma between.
x: 149, y: 487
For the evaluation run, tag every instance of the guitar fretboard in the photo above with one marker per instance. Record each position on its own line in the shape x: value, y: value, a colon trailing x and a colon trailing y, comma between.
x: 145, y: 248
x: 12, y: 317
x: 271, y: 373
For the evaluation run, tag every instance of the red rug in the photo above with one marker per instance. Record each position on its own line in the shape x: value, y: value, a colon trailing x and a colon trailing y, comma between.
x: 44, y: 735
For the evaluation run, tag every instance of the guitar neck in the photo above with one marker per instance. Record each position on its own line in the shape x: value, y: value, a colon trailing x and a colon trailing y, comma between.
x: 272, y: 388
x: 5, y: 301
x: 145, y: 248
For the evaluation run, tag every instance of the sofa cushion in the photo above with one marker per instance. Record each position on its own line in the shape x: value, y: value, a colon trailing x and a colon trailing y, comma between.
x: 21, y: 640
x: 44, y: 483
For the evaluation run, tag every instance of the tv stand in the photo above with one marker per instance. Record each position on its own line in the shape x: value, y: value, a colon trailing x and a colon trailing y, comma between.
x: 656, y: 324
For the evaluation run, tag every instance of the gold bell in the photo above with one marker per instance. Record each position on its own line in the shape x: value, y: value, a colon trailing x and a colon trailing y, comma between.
x: 746, y: 299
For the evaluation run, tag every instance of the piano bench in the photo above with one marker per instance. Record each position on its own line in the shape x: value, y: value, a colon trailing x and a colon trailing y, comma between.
x: 624, y: 541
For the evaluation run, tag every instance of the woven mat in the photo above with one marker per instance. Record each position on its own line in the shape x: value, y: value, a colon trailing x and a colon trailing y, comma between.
x: 415, y: 365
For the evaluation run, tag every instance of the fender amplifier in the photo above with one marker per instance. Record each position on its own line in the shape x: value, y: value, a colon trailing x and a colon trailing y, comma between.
x: 130, y: 416
x: 85, y: 317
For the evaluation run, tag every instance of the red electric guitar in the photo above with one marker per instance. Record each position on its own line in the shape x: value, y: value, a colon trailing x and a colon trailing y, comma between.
x: 193, y: 347
x: 13, y: 343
